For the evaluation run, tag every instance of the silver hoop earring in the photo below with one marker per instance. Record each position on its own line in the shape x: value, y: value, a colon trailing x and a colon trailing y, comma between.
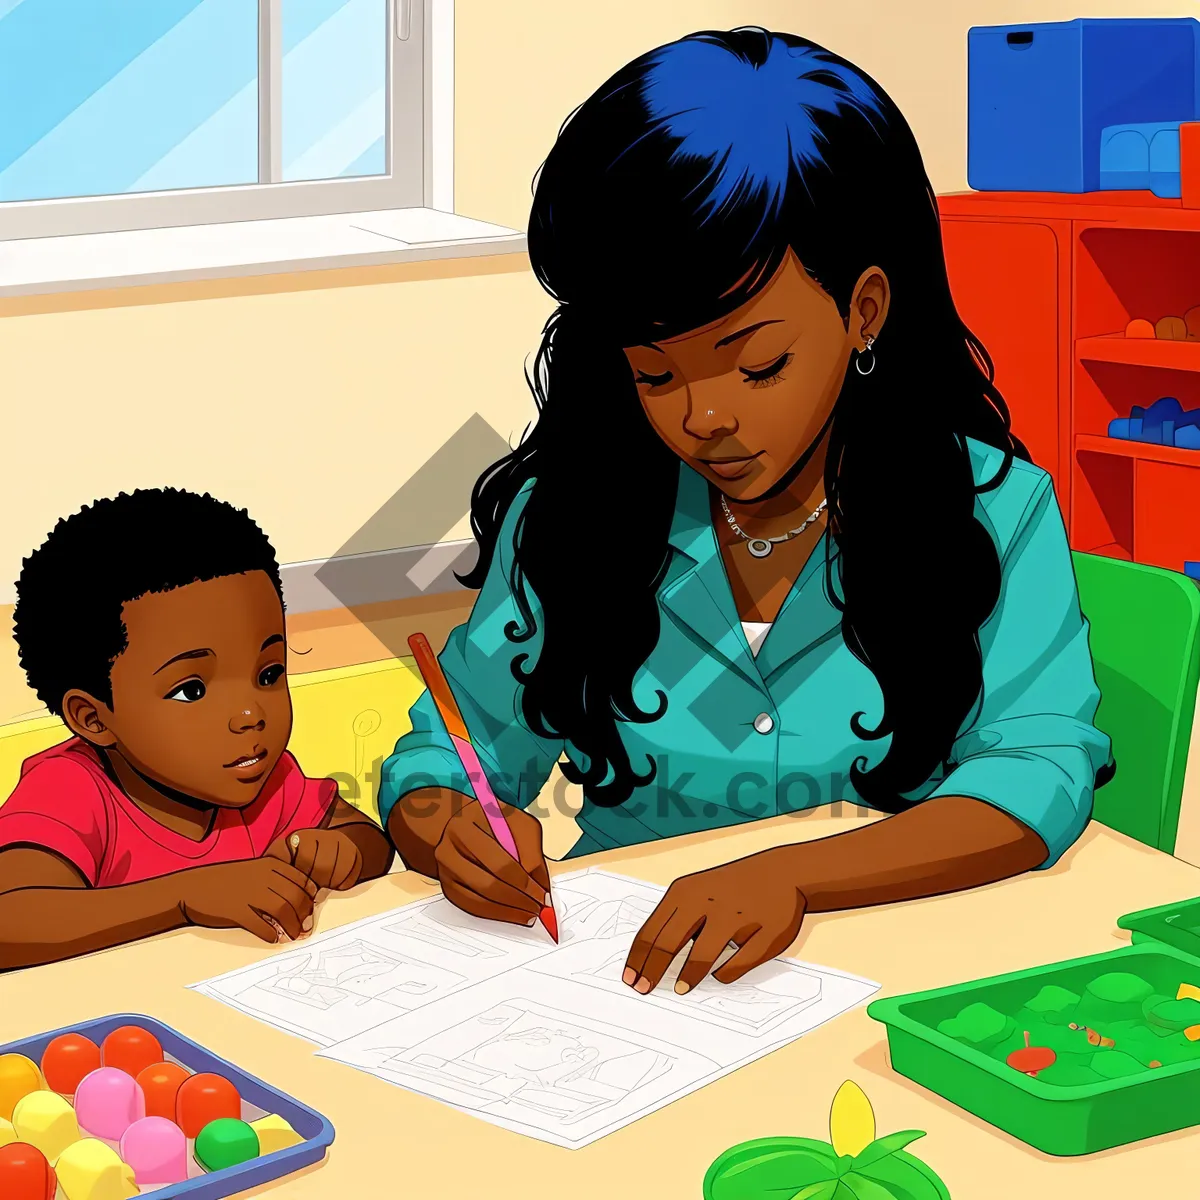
x: 858, y: 362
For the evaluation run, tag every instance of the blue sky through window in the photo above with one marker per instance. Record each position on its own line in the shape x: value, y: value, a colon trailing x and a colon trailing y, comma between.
x: 108, y: 96
x: 334, y: 88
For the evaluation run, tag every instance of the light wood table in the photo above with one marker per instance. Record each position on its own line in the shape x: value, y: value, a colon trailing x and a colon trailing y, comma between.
x: 393, y: 1143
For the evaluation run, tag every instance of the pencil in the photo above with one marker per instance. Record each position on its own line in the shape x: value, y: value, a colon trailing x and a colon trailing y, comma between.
x: 443, y: 698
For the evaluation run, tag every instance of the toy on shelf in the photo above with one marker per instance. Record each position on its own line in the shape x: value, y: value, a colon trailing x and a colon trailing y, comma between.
x: 1164, y: 423
x: 1140, y: 328
x: 853, y: 1163
x: 1141, y: 157
x: 1169, y: 328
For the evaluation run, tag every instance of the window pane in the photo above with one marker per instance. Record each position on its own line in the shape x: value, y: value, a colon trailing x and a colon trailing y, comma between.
x: 105, y: 96
x: 334, y: 88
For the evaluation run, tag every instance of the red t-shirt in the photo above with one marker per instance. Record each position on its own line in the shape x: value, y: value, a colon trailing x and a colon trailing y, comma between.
x: 66, y: 802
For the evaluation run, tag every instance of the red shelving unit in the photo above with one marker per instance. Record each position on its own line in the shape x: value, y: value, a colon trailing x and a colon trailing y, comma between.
x: 1049, y: 283
x: 1091, y: 443
x: 1139, y: 352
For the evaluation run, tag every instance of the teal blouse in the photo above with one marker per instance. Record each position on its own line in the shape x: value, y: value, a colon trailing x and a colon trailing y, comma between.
x: 747, y: 737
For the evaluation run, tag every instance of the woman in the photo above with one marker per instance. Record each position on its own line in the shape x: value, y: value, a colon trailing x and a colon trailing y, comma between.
x: 758, y: 410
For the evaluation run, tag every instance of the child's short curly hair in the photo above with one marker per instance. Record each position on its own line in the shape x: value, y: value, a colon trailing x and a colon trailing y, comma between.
x: 67, y: 621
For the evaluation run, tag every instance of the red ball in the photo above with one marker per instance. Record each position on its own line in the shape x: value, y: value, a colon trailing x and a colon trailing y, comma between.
x: 160, y: 1085
x: 131, y: 1049
x: 25, y: 1174
x: 67, y: 1059
x: 203, y: 1098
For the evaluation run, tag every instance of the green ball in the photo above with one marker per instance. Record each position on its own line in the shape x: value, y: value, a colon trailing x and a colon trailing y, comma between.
x: 225, y: 1142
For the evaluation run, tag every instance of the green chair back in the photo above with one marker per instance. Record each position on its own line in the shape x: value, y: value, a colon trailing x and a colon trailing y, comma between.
x: 1144, y: 643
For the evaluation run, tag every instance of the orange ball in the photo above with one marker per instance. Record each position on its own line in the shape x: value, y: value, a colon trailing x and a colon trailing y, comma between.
x: 160, y: 1083
x: 203, y: 1098
x: 25, y: 1174
x: 1139, y: 329
x: 131, y: 1049
x: 1171, y: 329
x: 1191, y: 319
x: 67, y: 1059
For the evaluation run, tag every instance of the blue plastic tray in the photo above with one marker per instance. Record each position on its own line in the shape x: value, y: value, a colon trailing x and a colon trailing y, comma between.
x: 316, y: 1131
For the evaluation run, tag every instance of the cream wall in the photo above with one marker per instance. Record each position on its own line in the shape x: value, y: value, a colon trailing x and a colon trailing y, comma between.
x: 311, y: 399
x: 554, y: 53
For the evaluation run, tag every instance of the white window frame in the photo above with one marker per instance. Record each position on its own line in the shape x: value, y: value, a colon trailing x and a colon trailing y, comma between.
x: 419, y: 126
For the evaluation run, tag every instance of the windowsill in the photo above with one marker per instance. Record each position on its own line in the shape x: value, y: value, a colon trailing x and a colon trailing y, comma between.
x: 37, y: 266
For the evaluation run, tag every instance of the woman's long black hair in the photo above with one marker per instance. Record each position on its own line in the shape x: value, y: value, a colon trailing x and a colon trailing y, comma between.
x: 668, y: 199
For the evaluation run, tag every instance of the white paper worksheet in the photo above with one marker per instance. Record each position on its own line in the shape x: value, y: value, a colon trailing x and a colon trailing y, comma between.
x: 545, y: 1040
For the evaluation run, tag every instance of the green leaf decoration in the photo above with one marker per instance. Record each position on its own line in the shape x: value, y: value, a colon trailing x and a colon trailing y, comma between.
x: 775, y: 1167
x: 882, y: 1147
x: 906, y: 1178
x: 818, y: 1191
x: 794, y: 1168
x: 861, y: 1187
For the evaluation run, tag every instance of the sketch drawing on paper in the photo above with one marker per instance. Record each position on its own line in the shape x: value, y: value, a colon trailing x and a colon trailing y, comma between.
x: 438, y: 1002
x: 611, y: 918
x: 745, y: 1007
x: 428, y: 929
x: 519, y: 1056
x: 776, y: 993
x: 355, y: 973
x: 456, y: 932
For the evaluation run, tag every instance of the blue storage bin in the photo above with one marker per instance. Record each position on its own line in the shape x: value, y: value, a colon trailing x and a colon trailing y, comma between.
x: 1136, y: 157
x: 1040, y: 95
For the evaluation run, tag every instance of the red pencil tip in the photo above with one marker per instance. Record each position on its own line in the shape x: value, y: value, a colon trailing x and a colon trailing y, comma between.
x: 550, y: 921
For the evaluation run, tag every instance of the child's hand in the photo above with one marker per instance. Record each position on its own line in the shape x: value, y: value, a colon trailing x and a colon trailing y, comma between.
x: 261, y: 895
x: 327, y: 857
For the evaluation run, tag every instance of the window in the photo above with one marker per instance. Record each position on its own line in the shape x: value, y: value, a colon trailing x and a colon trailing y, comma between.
x: 130, y: 114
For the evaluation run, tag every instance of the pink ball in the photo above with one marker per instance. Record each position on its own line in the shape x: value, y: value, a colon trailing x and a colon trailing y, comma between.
x: 107, y: 1102
x: 156, y: 1150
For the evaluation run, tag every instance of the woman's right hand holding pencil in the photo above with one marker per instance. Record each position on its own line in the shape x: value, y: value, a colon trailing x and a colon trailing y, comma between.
x: 445, y: 835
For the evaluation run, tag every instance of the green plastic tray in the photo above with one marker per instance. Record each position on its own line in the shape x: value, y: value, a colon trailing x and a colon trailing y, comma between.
x: 1054, y: 1119
x: 1175, y: 925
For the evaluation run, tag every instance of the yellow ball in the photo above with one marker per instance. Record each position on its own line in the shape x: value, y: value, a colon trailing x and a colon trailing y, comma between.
x: 18, y: 1077
x: 46, y: 1120
x: 92, y: 1170
x: 274, y: 1133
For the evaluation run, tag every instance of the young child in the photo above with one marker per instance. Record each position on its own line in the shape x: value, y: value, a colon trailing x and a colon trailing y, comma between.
x: 153, y: 624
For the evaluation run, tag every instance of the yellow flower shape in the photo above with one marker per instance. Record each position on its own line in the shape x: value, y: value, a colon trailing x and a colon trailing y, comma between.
x: 851, y: 1120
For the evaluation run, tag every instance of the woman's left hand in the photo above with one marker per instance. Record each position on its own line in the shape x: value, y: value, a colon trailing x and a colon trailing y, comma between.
x: 753, y: 902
